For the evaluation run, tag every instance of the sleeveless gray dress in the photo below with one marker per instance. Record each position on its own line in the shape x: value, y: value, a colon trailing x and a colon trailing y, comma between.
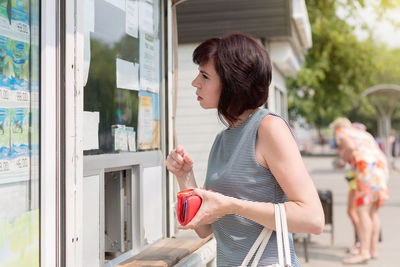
x: 234, y: 171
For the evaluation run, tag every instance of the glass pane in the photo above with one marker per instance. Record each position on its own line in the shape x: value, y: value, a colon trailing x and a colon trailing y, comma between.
x: 122, y: 63
x: 19, y: 132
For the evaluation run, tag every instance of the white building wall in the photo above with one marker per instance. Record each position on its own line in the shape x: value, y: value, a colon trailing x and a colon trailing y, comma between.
x: 278, y: 83
x: 196, y: 127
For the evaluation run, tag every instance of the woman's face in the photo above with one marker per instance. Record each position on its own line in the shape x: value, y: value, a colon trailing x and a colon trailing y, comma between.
x: 208, y: 85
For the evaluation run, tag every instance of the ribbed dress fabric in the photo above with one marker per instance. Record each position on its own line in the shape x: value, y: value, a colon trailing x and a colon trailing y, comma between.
x: 234, y: 171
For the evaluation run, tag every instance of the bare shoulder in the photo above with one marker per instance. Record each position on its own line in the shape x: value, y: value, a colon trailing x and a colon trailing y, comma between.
x: 273, y: 126
x: 277, y: 143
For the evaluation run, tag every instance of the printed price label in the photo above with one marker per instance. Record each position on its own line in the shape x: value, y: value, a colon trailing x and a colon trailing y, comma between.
x: 22, y: 28
x: 22, y: 162
x: 22, y: 96
x: 4, y: 94
x: 4, y: 165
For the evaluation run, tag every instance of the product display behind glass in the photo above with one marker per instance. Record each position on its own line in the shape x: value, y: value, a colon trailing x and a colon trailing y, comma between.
x: 19, y: 132
x: 122, y: 67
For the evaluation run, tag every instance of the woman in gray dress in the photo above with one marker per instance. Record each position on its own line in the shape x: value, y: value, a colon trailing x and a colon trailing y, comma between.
x: 253, y: 163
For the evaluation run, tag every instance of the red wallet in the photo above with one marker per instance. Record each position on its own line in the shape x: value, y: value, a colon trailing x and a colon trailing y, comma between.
x: 188, y: 205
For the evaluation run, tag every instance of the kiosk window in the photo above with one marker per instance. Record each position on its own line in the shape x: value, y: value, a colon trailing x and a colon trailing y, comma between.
x: 121, y: 76
x: 20, y: 102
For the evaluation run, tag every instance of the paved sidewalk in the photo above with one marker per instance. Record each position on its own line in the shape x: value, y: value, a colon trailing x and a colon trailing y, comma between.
x: 321, y: 253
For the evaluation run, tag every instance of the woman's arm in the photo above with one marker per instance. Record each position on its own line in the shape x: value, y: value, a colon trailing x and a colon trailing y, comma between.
x: 304, y: 210
x: 280, y: 151
x: 339, y: 163
x: 202, y: 231
x: 346, y: 148
x: 181, y: 165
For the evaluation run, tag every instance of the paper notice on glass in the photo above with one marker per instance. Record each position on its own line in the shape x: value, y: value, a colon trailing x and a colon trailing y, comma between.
x: 86, y: 57
x: 148, y: 63
x: 120, y: 137
x: 156, y: 121
x: 90, y: 130
x: 5, y: 138
x: 146, y: 21
x: 127, y: 74
x: 131, y: 18
x: 130, y: 132
x: 117, y: 3
x: 145, y: 123
x: 89, y: 15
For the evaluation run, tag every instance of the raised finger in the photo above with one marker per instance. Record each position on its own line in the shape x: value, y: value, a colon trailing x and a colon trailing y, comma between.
x: 179, y: 149
x: 188, y: 159
x: 178, y: 158
x: 169, y: 160
x: 176, y: 165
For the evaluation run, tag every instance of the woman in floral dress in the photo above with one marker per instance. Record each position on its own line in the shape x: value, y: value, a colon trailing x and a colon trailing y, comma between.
x: 359, y: 149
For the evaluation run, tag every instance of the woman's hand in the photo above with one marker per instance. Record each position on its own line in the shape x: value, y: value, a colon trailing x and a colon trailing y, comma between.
x: 181, y: 165
x: 214, y: 206
x: 338, y: 163
x: 179, y: 162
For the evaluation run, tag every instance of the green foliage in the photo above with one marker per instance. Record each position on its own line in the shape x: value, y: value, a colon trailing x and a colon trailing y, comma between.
x: 338, y: 68
x: 387, y: 66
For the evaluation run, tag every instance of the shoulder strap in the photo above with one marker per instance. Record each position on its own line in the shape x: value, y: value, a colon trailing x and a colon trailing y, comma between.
x: 265, y: 234
x: 261, y: 249
x: 282, y: 238
x: 285, y: 235
x: 278, y: 226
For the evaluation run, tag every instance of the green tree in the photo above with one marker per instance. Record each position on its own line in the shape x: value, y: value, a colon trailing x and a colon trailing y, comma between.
x: 338, y: 68
x: 388, y: 66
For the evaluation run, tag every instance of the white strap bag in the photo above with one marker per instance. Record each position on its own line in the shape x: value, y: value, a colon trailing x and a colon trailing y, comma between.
x: 262, y: 241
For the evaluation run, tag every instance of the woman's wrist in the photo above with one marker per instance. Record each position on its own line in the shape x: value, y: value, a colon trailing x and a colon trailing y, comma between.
x: 187, y: 181
x: 234, y: 205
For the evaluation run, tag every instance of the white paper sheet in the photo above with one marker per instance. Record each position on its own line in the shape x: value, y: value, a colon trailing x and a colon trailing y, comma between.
x: 131, y: 135
x: 131, y: 18
x: 120, y: 138
x: 91, y: 130
x: 145, y: 127
x: 86, y: 57
x: 146, y: 21
x: 117, y: 3
x: 88, y: 28
x: 152, y: 199
x: 148, y: 63
x: 89, y: 15
x: 127, y: 74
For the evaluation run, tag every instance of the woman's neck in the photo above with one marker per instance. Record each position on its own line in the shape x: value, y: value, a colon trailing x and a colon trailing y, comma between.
x: 243, y: 117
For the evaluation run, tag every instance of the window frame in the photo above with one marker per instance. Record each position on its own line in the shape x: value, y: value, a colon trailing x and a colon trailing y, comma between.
x: 137, y: 161
x: 51, y: 156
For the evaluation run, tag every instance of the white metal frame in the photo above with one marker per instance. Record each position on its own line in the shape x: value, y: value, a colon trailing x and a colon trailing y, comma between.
x: 99, y: 164
x: 50, y: 248
x: 51, y: 158
x: 169, y: 110
x: 73, y: 132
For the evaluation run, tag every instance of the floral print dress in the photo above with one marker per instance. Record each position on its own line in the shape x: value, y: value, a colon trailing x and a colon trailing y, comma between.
x: 369, y: 166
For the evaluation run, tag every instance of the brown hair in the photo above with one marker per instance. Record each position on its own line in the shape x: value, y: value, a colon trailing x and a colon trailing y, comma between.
x: 244, y: 68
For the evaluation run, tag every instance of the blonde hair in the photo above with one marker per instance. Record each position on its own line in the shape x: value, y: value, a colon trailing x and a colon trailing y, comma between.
x: 340, y: 123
